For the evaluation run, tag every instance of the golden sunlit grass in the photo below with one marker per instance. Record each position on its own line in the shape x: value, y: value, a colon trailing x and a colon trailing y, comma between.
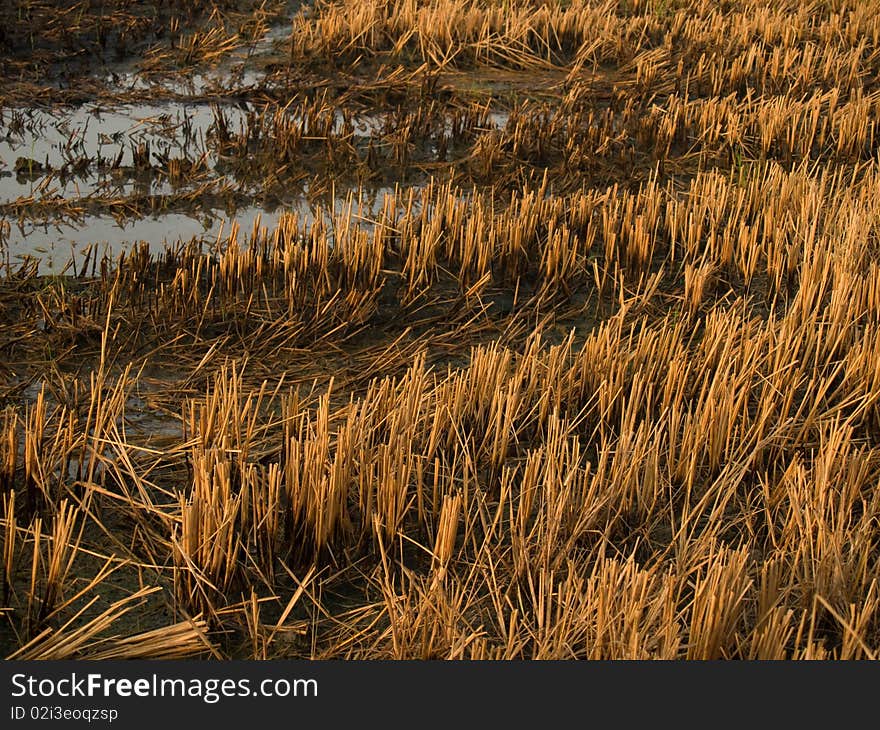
x: 599, y: 377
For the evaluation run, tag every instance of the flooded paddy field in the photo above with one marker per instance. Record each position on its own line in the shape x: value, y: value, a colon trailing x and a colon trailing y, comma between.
x: 440, y: 329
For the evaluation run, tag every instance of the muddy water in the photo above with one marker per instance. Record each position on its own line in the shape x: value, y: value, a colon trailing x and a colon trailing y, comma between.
x: 89, y: 153
x: 61, y: 247
x: 73, y: 155
x: 77, y: 155
x: 239, y: 69
x: 82, y: 151
x: 63, y: 243
x: 57, y: 166
x: 82, y: 147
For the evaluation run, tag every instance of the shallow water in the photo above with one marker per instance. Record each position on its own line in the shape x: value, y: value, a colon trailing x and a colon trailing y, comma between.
x: 39, y: 151
x: 62, y: 246
x: 57, y: 244
x: 81, y: 147
x: 237, y: 69
x: 84, y: 156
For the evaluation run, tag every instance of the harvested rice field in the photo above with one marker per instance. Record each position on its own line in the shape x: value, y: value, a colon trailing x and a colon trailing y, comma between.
x: 440, y: 329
